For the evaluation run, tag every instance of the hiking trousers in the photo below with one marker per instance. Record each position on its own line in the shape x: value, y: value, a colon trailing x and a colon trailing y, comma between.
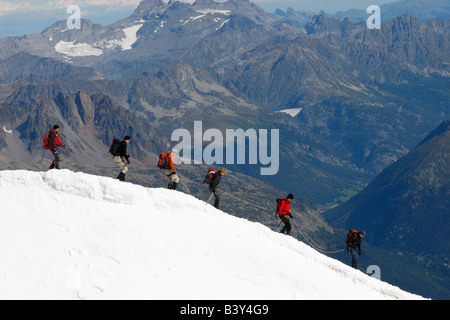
x: 217, y: 196
x: 173, y: 178
x: 287, y: 225
x: 121, y: 163
x: 354, y: 254
x: 55, y: 163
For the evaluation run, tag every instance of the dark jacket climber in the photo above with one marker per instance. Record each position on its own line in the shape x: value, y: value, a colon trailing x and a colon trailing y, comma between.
x: 353, y: 241
x: 121, y: 156
x: 213, y: 186
x: 55, y: 144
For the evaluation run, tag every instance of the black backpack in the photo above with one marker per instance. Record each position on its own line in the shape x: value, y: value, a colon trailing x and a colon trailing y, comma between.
x: 163, y: 162
x: 115, y: 147
x: 209, y: 176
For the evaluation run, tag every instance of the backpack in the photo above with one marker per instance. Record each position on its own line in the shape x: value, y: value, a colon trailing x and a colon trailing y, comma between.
x: 209, y: 176
x: 163, y: 161
x: 115, y: 147
x: 350, y: 235
x: 46, y: 142
x: 278, y: 206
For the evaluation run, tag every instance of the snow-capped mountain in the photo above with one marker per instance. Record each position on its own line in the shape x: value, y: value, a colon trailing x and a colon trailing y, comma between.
x: 69, y: 235
x: 156, y: 31
x: 362, y: 98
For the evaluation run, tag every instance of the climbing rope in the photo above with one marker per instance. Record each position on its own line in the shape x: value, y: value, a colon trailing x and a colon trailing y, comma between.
x: 315, y: 246
x: 269, y: 210
x: 224, y: 192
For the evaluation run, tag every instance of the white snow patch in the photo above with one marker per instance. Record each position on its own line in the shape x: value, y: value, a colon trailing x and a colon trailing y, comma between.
x: 197, y: 17
x: 123, y: 43
x: 160, y: 27
x: 70, y: 49
x: 292, y: 112
x: 130, y: 37
x: 206, y: 12
x: 223, y: 23
x: 77, y: 50
x: 69, y: 235
x: 7, y: 131
x: 214, y: 11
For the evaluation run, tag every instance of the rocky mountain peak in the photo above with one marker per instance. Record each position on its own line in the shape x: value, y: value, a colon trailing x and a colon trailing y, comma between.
x: 151, y: 4
x: 442, y: 130
x: 324, y: 23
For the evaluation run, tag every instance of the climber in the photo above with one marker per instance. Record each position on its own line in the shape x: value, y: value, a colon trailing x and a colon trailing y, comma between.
x: 167, y: 163
x: 283, y: 209
x: 213, y: 186
x: 54, y: 143
x: 119, y: 151
x: 353, y: 241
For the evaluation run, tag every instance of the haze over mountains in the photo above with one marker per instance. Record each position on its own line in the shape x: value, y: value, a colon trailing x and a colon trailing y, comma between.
x: 421, y: 9
x: 362, y: 98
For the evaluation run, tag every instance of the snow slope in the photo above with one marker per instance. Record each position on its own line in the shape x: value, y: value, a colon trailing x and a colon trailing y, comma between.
x: 66, y: 235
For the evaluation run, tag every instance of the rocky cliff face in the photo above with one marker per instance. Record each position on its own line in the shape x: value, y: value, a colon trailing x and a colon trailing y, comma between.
x: 406, y: 205
x: 88, y: 125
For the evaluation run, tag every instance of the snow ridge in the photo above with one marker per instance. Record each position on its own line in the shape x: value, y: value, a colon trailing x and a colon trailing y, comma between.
x: 77, y: 236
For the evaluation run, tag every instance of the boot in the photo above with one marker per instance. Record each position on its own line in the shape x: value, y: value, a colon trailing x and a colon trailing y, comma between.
x: 121, y: 176
x: 354, y: 264
x: 174, y: 186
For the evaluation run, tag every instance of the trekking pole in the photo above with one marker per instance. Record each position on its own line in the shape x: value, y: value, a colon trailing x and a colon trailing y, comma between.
x: 278, y: 218
x: 207, y: 202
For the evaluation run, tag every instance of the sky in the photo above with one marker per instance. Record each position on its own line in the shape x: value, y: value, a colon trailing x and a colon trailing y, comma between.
x: 19, y: 17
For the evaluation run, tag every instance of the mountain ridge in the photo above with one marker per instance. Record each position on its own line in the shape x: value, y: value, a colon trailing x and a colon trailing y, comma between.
x: 406, y: 207
x: 433, y: 10
x: 247, y: 70
x: 362, y: 98
x: 108, y: 240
